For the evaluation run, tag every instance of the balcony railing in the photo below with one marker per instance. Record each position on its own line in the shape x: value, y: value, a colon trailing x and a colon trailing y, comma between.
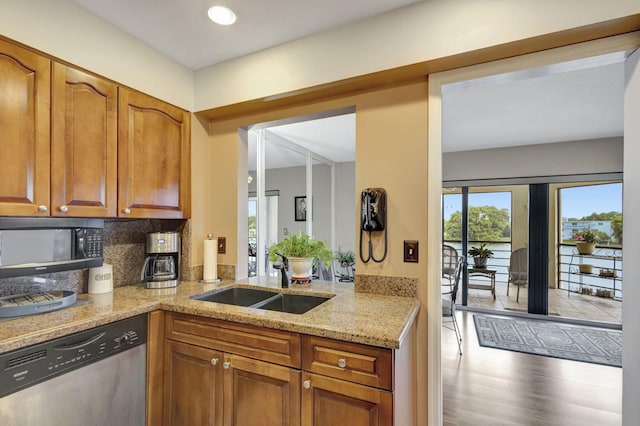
x: 499, y: 261
x: 606, y: 278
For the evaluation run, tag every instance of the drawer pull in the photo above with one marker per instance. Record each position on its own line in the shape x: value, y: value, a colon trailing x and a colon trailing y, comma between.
x: 64, y: 209
x: 214, y: 361
x: 306, y: 384
x: 42, y: 208
x: 226, y: 365
x: 342, y: 363
x: 127, y: 210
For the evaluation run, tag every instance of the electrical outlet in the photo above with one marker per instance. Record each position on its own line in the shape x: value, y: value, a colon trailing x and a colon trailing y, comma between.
x: 222, y: 245
x: 411, y: 251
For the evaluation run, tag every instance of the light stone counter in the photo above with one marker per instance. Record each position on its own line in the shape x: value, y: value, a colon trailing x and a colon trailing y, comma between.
x: 355, y: 317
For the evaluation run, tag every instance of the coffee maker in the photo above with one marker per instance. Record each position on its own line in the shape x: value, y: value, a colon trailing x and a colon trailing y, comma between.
x: 162, y: 264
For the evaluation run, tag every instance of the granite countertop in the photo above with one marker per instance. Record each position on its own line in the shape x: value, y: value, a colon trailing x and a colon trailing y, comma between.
x: 354, y: 317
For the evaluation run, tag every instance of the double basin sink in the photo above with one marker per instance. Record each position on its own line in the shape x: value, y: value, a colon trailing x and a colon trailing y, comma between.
x: 265, y: 299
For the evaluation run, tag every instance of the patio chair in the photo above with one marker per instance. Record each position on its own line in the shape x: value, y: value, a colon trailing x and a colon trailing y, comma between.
x: 449, y: 262
x: 449, y: 293
x: 518, y: 270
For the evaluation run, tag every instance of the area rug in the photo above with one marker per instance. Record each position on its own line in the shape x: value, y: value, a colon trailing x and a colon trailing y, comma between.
x: 549, y: 338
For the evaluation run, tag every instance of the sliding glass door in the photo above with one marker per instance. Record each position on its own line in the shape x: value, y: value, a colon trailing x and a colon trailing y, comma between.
x: 533, y: 233
x: 496, y: 220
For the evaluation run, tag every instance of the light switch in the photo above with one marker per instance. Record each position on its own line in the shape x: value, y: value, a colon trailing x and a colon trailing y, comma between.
x: 222, y: 245
x: 411, y: 251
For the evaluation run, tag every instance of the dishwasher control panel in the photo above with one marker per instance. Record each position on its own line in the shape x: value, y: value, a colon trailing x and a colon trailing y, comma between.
x: 34, y: 364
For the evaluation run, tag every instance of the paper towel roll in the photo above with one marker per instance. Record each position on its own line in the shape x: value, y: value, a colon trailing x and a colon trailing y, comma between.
x: 210, y: 263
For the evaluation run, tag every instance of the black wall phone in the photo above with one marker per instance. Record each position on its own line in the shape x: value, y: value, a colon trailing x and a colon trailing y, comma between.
x: 374, y: 209
x: 373, y: 218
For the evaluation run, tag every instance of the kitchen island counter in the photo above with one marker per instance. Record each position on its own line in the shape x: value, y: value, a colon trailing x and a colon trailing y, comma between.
x: 350, y: 316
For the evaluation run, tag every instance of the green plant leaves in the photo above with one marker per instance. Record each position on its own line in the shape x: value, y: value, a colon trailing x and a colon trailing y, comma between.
x: 301, y: 245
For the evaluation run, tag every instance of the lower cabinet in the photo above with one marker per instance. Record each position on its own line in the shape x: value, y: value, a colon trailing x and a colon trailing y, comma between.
x: 331, y: 402
x: 207, y: 387
x: 229, y: 374
x: 259, y: 393
x: 193, y: 392
x: 345, y: 383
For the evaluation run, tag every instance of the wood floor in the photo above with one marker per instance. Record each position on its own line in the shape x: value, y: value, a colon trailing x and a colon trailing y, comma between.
x: 496, y: 387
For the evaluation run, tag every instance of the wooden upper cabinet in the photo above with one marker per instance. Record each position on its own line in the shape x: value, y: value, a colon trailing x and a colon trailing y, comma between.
x: 153, y: 158
x: 84, y: 144
x: 24, y: 132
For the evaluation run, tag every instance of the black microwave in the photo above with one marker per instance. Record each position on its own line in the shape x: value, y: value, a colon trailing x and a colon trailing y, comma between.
x: 31, y: 246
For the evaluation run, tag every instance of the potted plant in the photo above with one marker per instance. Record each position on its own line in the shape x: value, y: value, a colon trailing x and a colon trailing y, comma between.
x: 302, y: 250
x: 585, y: 268
x: 480, y: 255
x: 346, y: 259
x: 586, y: 241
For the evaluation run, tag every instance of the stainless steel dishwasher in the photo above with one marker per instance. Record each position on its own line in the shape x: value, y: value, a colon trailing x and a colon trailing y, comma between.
x: 93, y: 377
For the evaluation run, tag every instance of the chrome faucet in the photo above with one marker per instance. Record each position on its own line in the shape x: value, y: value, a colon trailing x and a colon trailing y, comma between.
x: 283, y: 266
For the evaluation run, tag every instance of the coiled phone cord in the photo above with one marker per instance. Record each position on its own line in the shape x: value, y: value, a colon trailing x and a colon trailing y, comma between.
x: 371, y: 256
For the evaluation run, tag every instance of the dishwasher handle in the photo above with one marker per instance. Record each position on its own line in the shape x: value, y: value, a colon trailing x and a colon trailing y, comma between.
x: 80, y: 344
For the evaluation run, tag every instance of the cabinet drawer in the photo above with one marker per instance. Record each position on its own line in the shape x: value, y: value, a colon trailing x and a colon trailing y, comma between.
x: 357, y: 363
x: 276, y: 346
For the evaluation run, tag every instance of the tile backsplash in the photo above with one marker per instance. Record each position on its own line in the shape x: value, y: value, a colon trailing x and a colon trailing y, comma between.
x: 124, y: 248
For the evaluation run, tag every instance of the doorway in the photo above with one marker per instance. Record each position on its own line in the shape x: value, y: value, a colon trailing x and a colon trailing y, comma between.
x: 436, y: 82
x: 309, y: 163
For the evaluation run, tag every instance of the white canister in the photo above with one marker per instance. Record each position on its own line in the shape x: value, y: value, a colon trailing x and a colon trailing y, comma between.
x: 101, y: 279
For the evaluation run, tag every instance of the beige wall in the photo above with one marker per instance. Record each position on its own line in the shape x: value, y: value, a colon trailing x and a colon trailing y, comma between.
x: 66, y: 31
x: 391, y: 152
x: 420, y: 32
x: 519, y: 216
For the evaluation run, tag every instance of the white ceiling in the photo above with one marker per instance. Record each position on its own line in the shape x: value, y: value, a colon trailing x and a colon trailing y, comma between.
x: 571, y: 101
x: 575, y: 100
x: 334, y: 138
x: 181, y: 29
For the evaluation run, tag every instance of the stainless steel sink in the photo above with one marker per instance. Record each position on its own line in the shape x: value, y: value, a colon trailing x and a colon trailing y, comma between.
x: 238, y: 296
x: 265, y: 299
x: 292, y: 303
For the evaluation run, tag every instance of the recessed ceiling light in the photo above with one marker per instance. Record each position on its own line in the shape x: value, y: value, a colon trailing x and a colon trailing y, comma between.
x: 221, y: 15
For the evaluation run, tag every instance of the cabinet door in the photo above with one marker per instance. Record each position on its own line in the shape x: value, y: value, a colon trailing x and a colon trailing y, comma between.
x: 153, y: 158
x: 84, y: 144
x: 259, y: 393
x: 333, y: 402
x: 192, y: 385
x: 24, y: 132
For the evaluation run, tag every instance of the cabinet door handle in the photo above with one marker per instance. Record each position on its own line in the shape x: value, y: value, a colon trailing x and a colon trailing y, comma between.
x: 64, y: 209
x: 226, y: 365
x: 214, y: 361
x: 306, y: 384
x: 127, y: 210
x: 342, y: 363
x: 42, y: 208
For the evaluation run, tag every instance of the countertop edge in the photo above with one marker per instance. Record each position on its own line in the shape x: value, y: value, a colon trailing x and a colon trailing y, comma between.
x: 94, y: 318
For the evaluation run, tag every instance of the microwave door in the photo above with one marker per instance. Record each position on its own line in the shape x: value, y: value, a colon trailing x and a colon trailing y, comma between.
x: 31, y: 246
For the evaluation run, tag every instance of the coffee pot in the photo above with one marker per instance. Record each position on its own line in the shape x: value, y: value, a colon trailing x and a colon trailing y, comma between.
x: 162, y: 264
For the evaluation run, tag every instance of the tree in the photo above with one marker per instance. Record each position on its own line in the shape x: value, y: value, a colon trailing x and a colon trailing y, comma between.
x: 486, y: 223
x: 252, y: 225
x: 601, y: 216
x: 616, y: 228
